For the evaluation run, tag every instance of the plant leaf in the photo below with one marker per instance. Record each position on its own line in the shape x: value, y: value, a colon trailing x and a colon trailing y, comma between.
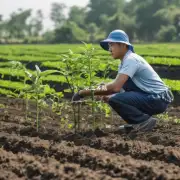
x: 48, y: 72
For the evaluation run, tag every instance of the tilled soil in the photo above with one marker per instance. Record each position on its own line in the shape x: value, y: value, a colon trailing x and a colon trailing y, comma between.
x: 53, y: 154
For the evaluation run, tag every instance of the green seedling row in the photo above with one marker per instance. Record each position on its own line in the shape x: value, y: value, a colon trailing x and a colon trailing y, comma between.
x: 172, y: 49
x: 28, y: 58
x: 7, y: 92
x: 51, y: 61
x: 13, y: 85
x: 173, y: 84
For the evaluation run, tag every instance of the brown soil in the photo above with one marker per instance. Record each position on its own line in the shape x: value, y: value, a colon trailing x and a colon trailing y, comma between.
x: 53, y: 153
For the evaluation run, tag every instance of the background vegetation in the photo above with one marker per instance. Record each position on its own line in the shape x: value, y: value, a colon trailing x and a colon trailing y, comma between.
x: 144, y: 21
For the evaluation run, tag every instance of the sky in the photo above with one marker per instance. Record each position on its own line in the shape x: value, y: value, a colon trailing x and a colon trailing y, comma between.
x: 8, y: 6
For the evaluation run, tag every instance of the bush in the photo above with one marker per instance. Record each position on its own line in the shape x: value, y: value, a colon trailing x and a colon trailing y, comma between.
x: 70, y: 33
x: 166, y: 33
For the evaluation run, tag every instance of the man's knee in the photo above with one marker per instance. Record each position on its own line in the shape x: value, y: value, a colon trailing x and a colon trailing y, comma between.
x: 118, y: 99
x: 115, y: 102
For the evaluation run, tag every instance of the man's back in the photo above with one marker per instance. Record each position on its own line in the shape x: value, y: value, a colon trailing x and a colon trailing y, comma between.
x: 142, y: 74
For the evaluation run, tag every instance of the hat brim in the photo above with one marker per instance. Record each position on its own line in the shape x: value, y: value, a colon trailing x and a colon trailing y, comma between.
x: 104, y: 44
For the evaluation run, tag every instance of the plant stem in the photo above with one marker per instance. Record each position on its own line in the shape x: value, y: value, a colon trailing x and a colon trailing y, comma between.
x: 79, y: 115
x: 92, y: 92
x: 112, y: 119
x: 74, y: 116
x: 71, y: 87
x: 26, y: 113
x: 37, y: 113
x: 101, y: 115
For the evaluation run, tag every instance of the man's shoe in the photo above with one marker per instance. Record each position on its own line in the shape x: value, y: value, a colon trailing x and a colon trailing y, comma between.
x: 127, y: 128
x: 145, y: 126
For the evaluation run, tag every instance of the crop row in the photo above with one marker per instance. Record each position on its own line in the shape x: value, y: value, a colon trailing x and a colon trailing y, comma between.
x: 42, y: 50
x: 172, y: 84
x: 159, y: 49
x: 51, y: 61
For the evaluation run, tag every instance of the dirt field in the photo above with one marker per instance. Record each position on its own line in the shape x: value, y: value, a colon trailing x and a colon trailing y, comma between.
x: 53, y: 154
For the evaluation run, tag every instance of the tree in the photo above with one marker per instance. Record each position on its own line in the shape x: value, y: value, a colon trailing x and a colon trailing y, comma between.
x: 1, y: 25
x: 17, y: 25
x: 1, y: 17
x: 57, y: 14
x: 77, y: 15
x: 99, y: 7
x: 167, y: 33
x: 176, y: 22
x: 146, y: 22
x: 168, y: 16
x: 95, y: 33
x: 35, y: 25
x: 119, y: 21
x: 38, y: 23
x: 49, y: 36
x: 70, y: 32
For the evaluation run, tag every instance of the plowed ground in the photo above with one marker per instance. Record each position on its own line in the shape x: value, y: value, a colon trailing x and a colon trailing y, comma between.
x: 53, y: 153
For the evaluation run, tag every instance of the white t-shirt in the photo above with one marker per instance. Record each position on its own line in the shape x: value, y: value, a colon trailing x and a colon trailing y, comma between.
x: 141, y: 73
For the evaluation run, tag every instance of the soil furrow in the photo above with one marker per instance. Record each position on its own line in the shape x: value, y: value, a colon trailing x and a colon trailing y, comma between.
x: 8, y: 174
x: 115, y: 166
x: 25, y: 166
x: 49, y: 133
x: 136, y: 149
x: 44, y: 133
x: 115, y: 144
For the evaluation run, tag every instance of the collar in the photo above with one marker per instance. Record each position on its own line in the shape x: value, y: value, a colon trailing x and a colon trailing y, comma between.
x: 127, y: 54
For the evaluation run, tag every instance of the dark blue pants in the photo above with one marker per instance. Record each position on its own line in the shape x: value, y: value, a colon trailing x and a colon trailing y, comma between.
x: 136, y: 106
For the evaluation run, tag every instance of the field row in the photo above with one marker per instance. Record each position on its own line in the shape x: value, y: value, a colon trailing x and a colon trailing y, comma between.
x: 17, y: 75
x: 147, y: 49
x: 46, y: 60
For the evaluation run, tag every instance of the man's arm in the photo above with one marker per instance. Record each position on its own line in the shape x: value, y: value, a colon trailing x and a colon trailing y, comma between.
x: 109, y: 88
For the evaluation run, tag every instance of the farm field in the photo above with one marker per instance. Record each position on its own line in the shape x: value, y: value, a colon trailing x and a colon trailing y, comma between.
x: 44, y: 136
x: 58, y: 153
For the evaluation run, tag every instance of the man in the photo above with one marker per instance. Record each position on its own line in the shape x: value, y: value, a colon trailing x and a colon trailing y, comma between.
x: 145, y: 94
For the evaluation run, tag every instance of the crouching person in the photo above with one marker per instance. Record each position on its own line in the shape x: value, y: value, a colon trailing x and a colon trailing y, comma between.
x: 138, y: 92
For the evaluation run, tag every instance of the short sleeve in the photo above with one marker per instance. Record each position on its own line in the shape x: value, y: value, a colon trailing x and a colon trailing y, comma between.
x: 129, y: 67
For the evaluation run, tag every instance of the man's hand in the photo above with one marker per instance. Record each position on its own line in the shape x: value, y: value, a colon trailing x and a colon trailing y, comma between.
x: 104, y: 89
x: 77, y: 97
x: 103, y: 98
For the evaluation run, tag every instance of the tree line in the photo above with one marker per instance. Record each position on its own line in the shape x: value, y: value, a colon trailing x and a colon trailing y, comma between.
x: 144, y: 21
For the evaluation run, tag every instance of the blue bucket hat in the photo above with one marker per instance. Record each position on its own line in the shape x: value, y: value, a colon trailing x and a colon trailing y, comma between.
x: 116, y: 36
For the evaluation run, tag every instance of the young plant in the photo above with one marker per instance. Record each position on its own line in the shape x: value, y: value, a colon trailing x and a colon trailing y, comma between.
x: 80, y: 71
x: 37, y: 90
